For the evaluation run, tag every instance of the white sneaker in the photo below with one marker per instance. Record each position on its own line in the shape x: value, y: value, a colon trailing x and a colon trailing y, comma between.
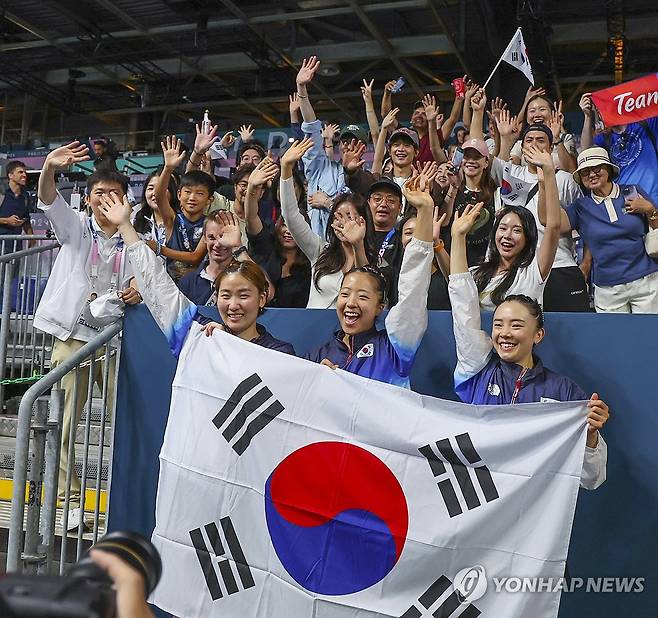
x: 76, y: 518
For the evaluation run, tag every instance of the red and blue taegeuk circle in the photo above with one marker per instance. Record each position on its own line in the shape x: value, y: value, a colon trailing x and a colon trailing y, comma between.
x: 337, y: 517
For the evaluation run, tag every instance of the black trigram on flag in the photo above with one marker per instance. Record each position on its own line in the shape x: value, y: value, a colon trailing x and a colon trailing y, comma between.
x: 250, y: 395
x: 215, y: 562
x: 446, y: 454
x: 448, y: 605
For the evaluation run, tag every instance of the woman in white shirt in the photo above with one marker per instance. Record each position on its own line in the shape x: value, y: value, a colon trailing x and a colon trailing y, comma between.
x: 349, y: 241
x: 514, y: 263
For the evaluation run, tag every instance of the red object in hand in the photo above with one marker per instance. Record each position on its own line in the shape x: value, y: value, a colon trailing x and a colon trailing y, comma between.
x: 459, y: 86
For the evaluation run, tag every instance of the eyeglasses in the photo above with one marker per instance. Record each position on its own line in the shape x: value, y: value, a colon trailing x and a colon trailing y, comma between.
x: 591, y: 170
x: 390, y: 200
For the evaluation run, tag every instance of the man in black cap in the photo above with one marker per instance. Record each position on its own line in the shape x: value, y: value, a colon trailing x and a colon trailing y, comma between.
x: 385, y: 203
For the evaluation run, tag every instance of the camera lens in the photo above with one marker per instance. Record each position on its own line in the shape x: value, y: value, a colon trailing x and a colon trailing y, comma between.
x: 133, y: 549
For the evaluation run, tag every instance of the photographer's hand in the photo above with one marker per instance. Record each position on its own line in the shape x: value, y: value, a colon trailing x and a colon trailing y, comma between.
x: 129, y: 584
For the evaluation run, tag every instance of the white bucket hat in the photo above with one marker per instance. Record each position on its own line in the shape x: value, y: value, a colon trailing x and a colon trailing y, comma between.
x: 592, y: 157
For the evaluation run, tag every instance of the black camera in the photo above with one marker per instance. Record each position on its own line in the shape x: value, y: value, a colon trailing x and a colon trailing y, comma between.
x: 86, y: 590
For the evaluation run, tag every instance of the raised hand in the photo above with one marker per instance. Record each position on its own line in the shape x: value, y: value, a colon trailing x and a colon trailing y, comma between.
x: 439, y: 121
x: 293, y: 104
x: 429, y: 170
x: 172, y: 149
x: 265, y: 171
x: 308, y: 70
x: 228, y: 140
x: 389, y: 86
x: 390, y: 118
x: 68, y: 155
x: 353, y: 156
x: 295, y: 152
x: 533, y: 92
x: 586, y: 104
x: 116, y: 210
x: 366, y: 90
x: 231, y: 236
x: 462, y: 224
x: 557, y: 121
x: 479, y: 100
x: 246, y: 133
x: 351, y: 229
x: 507, y: 124
x: 203, y: 141
x: 417, y: 192
x: 471, y: 89
x: 539, y: 158
x: 429, y: 104
x: 329, y: 131
x: 497, y: 106
x: 437, y: 224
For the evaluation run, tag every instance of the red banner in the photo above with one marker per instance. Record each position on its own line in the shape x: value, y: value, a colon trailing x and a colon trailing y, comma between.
x: 629, y: 102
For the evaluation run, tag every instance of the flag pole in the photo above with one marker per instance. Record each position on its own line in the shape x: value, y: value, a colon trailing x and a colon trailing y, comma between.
x: 501, y: 59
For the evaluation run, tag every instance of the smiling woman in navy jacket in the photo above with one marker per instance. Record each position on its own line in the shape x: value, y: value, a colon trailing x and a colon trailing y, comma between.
x: 358, y: 347
x: 502, y: 368
x: 241, y: 291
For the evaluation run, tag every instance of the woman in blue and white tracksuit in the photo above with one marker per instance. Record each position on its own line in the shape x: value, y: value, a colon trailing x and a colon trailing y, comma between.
x: 386, y: 355
x: 502, y: 368
x: 241, y: 292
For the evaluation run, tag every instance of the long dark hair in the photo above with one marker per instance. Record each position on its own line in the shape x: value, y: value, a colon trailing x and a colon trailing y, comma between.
x: 543, y: 97
x: 142, y: 223
x: 487, y: 270
x: 332, y: 257
x: 301, y: 261
x: 486, y: 186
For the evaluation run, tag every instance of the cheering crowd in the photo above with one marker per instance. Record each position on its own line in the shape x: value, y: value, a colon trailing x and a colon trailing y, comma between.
x: 479, y: 210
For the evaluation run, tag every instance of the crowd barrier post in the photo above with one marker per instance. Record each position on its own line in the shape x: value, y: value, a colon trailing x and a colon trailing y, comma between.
x: 24, y: 351
x: 35, y: 553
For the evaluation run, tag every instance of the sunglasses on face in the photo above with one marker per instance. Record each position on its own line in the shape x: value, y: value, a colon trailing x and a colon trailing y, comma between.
x: 591, y: 170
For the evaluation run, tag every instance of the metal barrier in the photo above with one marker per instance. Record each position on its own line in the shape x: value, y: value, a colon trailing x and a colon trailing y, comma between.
x: 37, y: 553
x: 24, y: 351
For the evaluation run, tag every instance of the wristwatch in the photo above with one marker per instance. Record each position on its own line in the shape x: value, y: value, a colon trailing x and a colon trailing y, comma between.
x: 239, y: 251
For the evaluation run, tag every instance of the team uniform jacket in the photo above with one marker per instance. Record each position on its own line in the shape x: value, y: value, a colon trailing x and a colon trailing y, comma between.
x: 171, y: 309
x: 387, y: 355
x: 483, y: 378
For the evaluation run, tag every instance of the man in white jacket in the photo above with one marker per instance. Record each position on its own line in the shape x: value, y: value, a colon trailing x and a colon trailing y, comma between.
x: 87, y: 290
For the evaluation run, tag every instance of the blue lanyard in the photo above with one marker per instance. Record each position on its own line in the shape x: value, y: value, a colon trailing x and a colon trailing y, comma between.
x: 385, y: 244
x: 183, y: 231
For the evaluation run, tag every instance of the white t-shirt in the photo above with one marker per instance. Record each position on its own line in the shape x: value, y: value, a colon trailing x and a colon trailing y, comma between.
x: 569, y: 144
x: 568, y: 192
x: 528, y: 281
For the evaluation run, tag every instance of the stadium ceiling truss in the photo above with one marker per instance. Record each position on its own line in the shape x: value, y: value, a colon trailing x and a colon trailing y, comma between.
x: 122, y: 57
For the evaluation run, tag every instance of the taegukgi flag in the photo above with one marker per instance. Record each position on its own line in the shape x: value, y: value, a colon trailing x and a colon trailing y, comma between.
x: 517, y: 55
x: 514, y: 191
x: 287, y: 489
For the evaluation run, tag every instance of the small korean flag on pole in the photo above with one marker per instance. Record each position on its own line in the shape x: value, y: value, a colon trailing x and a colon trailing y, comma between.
x: 517, y: 56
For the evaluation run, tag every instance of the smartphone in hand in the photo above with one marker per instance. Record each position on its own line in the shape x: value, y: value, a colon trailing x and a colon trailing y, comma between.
x: 457, y: 160
x: 399, y: 85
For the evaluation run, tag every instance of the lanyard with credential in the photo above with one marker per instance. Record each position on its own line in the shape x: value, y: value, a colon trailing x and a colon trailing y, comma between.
x: 183, y: 231
x: 384, y: 246
x: 95, y: 260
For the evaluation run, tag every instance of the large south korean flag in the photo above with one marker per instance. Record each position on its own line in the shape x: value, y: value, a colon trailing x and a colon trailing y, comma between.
x: 290, y: 490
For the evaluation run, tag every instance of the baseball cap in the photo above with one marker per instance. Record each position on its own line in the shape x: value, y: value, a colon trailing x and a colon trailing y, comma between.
x: 409, y: 134
x: 385, y: 184
x: 477, y: 144
x: 353, y: 130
